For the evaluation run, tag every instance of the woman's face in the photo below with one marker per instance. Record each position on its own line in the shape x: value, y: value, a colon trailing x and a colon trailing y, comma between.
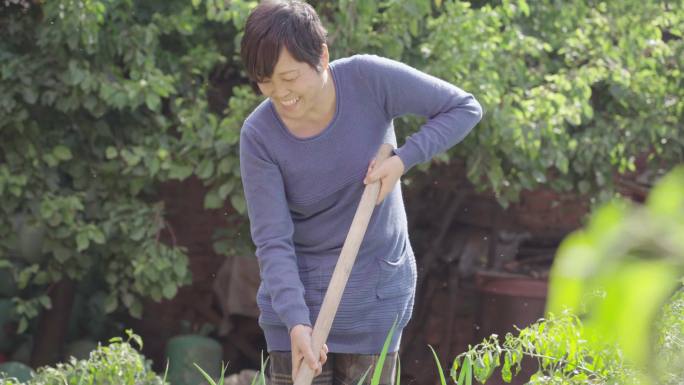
x: 295, y: 86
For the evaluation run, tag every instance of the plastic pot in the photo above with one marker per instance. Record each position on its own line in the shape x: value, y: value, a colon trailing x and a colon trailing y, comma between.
x: 17, y: 370
x: 185, y: 350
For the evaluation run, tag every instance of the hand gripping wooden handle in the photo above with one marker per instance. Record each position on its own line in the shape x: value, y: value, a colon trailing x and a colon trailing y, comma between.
x: 343, y: 268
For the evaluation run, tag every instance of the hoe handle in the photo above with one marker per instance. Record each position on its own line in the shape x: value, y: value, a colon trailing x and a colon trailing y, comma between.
x: 343, y: 268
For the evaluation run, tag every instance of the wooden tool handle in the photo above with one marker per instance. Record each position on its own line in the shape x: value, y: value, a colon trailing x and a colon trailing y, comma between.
x: 338, y: 282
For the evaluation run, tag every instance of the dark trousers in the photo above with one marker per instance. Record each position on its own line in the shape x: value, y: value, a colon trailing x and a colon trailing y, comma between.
x: 339, y: 369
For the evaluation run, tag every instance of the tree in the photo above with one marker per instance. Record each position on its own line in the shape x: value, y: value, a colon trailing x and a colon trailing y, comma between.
x: 100, y: 103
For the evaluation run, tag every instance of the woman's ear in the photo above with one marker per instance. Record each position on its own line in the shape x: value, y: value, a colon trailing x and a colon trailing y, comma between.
x: 325, y: 57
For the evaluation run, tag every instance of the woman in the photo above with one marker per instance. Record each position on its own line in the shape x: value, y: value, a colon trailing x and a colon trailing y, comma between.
x: 306, y: 153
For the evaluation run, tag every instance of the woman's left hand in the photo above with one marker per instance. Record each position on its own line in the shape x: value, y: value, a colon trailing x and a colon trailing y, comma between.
x: 387, y: 172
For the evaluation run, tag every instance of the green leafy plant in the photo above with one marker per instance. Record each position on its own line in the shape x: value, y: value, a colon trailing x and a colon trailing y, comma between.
x: 377, y: 371
x: 210, y: 380
x: 117, y: 363
x: 556, y: 345
x: 634, y: 254
x: 560, y: 348
x: 258, y: 379
x: 668, y: 367
x: 440, y: 371
x: 101, y: 103
x: 612, y: 285
x: 575, y: 103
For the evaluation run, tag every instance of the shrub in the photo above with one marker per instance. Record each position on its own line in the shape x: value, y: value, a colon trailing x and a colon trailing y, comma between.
x: 117, y: 363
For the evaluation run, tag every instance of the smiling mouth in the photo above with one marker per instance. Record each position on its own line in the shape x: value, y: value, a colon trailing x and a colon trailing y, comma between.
x: 289, y: 102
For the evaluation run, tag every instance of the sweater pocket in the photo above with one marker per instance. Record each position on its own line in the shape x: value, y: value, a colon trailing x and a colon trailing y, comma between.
x: 396, y: 277
x: 310, y: 277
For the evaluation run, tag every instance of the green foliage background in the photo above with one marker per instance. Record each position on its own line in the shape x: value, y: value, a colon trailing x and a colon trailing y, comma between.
x: 100, y: 102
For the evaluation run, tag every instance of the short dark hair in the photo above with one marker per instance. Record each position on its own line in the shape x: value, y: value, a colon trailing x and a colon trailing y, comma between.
x: 275, y: 24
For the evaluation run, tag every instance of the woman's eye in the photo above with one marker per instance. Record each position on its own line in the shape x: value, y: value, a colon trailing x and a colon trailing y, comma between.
x: 290, y: 80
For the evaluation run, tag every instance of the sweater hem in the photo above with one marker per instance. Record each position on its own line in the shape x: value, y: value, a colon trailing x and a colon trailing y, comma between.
x: 278, y: 339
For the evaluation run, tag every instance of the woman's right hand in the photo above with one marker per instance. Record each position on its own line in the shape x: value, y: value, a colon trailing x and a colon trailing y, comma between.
x: 300, y: 339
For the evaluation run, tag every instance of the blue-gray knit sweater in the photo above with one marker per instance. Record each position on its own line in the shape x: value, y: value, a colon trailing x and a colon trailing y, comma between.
x: 302, y: 194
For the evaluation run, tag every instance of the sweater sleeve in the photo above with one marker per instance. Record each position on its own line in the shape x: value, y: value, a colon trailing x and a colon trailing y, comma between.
x: 400, y: 89
x: 272, y: 230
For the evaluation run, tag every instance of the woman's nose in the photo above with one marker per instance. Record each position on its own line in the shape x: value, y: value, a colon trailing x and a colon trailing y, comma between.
x: 274, y: 90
